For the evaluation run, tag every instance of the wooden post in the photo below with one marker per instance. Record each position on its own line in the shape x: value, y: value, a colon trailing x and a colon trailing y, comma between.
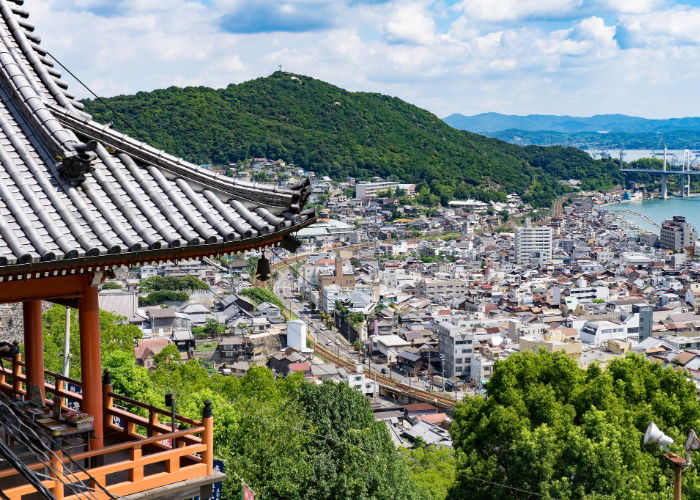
x: 58, y: 386
x: 678, y: 464
x: 208, y: 437
x: 56, y: 459
x: 90, y: 361
x: 34, y: 345
x: 136, y: 473
x: 153, y: 422
x: 107, y: 398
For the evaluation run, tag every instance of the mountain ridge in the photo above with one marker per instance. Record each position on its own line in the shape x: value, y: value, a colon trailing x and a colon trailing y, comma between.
x: 491, y: 123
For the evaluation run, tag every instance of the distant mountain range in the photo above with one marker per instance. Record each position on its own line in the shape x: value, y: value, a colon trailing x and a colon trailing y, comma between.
x: 598, y: 131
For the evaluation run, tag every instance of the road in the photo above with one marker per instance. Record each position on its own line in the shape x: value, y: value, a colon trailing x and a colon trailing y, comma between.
x: 328, y: 341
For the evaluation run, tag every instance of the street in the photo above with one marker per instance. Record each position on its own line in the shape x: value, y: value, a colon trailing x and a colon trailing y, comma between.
x: 285, y: 288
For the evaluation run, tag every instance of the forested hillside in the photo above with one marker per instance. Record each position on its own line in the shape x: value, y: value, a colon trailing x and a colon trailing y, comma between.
x: 335, y: 132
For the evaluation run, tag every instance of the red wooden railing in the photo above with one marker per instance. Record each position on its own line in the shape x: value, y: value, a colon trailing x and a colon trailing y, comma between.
x: 184, y: 454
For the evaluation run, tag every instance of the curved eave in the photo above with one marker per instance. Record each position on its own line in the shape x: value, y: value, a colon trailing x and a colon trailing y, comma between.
x: 102, y: 262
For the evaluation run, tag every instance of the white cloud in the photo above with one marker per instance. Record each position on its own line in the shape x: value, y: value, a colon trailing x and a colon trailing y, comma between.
x: 513, y: 10
x: 471, y: 58
x: 409, y: 23
x: 632, y: 6
x: 666, y: 27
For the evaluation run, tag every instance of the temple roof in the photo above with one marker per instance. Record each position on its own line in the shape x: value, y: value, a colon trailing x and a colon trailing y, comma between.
x: 76, y: 194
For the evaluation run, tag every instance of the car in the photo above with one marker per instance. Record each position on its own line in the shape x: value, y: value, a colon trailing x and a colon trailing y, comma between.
x: 329, y: 343
x: 385, y: 371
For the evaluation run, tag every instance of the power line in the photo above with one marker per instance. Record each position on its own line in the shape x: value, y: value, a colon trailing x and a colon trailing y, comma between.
x: 29, y: 475
x: 46, y: 451
x: 105, y: 103
x: 42, y: 452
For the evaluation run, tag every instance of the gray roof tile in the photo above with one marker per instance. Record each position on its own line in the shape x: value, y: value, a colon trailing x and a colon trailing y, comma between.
x: 136, y: 199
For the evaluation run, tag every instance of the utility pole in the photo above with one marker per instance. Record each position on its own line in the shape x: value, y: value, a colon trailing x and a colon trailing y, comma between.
x: 678, y: 464
x: 66, y: 345
x: 430, y: 373
x: 442, y: 362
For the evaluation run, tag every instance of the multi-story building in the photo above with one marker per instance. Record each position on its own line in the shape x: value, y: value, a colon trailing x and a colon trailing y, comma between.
x: 677, y: 234
x: 338, y: 277
x: 646, y: 318
x: 370, y: 189
x: 456, y: 346
x: 441, y: 290
x: 533, y: 243
x: 552, y: 341
x: 626, y: 328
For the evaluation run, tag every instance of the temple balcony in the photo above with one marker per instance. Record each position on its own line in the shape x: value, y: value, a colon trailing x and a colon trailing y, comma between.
x: 141, y: 452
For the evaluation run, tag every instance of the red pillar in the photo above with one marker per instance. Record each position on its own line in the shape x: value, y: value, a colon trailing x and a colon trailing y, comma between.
x: 90, y: 361
x: 34, y: 345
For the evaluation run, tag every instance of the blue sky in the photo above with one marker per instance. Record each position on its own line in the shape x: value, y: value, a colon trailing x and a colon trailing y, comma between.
x: 578, y: 57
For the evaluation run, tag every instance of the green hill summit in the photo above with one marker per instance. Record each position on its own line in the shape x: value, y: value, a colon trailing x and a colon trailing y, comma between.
x: 334, y: 132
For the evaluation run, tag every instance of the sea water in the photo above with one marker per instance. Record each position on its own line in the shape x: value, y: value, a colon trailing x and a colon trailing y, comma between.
x: 659, y: 210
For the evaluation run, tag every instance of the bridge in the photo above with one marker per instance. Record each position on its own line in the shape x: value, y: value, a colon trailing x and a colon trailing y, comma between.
x: 684, y: 175
x: 686, y: 172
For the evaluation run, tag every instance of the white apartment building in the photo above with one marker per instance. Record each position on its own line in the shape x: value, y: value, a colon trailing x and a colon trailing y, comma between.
x: 455, y: 344
x: 357, y: 380
x: 677, y: 234
x: 599, y: 332
x: 533, y: 243
x: 441, y: 290
x: 370, y: 189
x: 583, y: 295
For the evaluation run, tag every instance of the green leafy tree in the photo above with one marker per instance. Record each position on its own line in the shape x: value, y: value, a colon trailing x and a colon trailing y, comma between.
x: 211, y: 328
x: 172, y: 283
x: 433, y: 469
x: 163, y: 296
x: 169, y: 354
x: 116, y: 336
x: 353, y: 456
x: 554, y: 429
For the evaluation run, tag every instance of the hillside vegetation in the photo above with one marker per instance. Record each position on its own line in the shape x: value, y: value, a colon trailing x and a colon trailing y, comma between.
x: 334, y: 132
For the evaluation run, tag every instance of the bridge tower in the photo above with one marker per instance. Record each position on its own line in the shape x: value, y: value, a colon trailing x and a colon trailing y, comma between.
x: 664, y: 186
x: 664, y: 178
x: 685, y: 179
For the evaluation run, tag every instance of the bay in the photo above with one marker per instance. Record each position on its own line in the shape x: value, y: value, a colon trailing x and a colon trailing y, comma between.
x: 658, y: 210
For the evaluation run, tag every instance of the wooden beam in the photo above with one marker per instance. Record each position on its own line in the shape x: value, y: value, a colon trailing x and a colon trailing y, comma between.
x: 43, y: 288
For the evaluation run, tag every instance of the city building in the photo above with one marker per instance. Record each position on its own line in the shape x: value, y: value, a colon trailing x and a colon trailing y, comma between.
x: 553, y: 341
x: 677, y: 234
x: 455, y: 346
x: 646, y: 318
x: 533, y: 244
x: 296, y: 334
x: 357, y: 380
x: 441, y: 290
x: 389, y: 346
x: 370, y: 189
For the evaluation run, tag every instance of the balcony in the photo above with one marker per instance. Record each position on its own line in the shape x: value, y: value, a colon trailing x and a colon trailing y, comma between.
x: 141, y: 451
